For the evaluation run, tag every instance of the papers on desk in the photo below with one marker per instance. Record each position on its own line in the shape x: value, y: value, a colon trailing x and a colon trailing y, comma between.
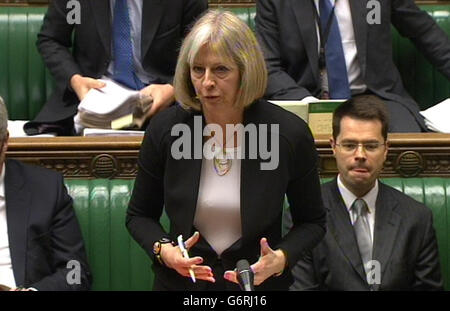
x: 297, y: 107
x: 437, y: 117
x: 102, y: 106
x: 317, y: 113
x: 105, y: 132
x: 15, y: 129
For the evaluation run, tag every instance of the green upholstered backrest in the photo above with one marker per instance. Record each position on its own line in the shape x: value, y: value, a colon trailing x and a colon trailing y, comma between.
x: 25, y: 84
x: 118, y: 263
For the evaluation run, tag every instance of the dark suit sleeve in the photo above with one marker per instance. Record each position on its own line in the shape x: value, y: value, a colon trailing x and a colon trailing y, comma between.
x: 68, y: 257
x: 427, y: 269
x: 305, y: 200
x: 192, y: 11
x: 303, y: 271
x: 423, y: 31
x: 280, y: 84
x: 147, y: 200
x: 54, y: 43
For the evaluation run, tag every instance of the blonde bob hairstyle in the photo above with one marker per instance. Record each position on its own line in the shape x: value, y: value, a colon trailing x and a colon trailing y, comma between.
x: 225, y: 34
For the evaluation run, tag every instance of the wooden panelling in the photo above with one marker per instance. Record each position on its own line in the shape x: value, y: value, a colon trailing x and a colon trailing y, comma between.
x: 410, y: 155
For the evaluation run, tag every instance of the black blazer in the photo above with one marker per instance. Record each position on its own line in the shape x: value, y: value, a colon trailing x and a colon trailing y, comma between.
x: 164, y: 181
x: 164, y: 24
x: 44, y: 234
x: 287, y: 32
x: 404, y: 244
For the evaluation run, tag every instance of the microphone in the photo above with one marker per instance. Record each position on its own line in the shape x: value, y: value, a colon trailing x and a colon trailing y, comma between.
x: 245, y: 275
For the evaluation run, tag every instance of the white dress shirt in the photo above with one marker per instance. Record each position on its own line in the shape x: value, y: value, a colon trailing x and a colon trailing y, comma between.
x: 345, y: 24
x: 370, y: 198
x: 6, y: 271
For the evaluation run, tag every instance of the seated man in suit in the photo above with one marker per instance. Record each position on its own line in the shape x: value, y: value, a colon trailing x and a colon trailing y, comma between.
x: 133, y: 42
x: 337, y: 49
x: 377, y: 237
x: 41, y: 246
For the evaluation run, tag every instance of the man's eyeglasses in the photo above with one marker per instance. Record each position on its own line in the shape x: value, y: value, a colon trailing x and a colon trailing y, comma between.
x: 351, y: 147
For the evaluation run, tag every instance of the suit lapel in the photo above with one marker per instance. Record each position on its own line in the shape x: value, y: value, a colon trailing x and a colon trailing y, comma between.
x: 192, y: 169
x: 342, y: 230
x: 387, y: 224
x: 152, y: 13
x: 17, y: 199
x: 303, y: 10
x: 102, y: 13
x: 359, y: 13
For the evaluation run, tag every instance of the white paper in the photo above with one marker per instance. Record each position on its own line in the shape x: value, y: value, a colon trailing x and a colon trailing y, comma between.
x: 436, y: 117
x: 15, y: 129
x: 106, y: 132
x: 107, y: 99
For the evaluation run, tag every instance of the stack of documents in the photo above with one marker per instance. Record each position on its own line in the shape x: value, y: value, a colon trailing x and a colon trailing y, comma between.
x: 105, y: 132
x: 436, y: 117
x: 102, y: 106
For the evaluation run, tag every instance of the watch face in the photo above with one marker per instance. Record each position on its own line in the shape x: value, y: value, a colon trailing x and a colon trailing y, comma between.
x: 156, y: 248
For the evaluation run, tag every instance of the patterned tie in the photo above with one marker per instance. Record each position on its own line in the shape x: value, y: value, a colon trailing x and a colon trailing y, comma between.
x: 362, y: 231
x: 338, y: 85
x: 123, y: 50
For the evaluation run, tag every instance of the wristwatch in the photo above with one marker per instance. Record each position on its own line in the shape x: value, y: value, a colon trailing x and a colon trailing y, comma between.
x: 157, y: 249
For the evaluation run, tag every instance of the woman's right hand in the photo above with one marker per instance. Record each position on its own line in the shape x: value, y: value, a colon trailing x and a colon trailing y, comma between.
x: 173, y: 258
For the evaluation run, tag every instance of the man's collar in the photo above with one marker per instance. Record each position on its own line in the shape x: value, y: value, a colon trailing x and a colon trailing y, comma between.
x: 348, y: 196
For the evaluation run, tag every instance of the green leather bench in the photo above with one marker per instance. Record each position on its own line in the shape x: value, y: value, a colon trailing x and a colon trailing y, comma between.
x: 25, y: 84
x: 118, y: 263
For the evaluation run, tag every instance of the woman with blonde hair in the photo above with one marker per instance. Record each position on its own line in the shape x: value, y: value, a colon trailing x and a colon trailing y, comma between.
x: 221, y: 163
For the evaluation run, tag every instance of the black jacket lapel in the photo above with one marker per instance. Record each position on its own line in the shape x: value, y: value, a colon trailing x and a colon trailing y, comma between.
x: 387, y: 223
x: 341, y: 228
x: 304, y: 11
x: 17, y: 199
x: 102, y: 13
x: 152, y: 13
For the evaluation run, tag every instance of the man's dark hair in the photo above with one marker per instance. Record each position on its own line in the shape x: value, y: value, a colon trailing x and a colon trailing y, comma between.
x: 362, y: 107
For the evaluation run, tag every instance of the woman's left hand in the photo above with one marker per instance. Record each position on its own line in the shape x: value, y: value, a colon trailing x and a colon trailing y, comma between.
x: 270, y: 262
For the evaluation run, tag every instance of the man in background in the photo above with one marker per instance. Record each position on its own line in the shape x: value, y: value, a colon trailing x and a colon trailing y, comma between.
x: 133, y: 42
x: 338, y: 49
x: 377, y: 237
x: 41, y: 246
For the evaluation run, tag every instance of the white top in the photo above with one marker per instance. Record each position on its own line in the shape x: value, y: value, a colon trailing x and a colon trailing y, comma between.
x: 6, y: 271
x: 218, y: 212
x: 370, y: 198
x: 345, y: 23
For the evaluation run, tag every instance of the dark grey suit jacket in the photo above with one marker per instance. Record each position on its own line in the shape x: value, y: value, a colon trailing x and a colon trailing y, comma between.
x: 286, y: 30
x: 44, y: 234
x: 404, y: 244
x: 164, y: 24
